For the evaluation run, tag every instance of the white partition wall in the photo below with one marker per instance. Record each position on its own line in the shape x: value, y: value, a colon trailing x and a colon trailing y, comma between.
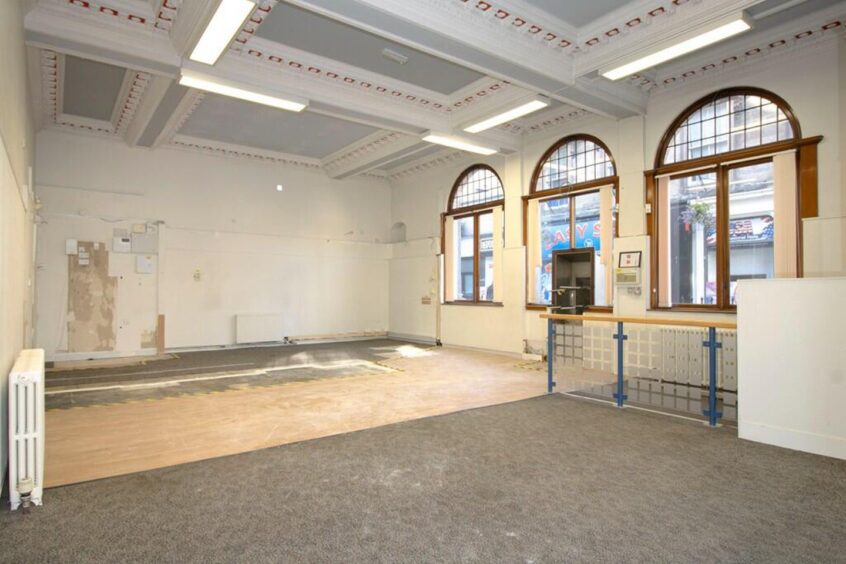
x: 792, y: 364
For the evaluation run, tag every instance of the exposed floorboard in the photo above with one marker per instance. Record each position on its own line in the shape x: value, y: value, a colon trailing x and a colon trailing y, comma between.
x: 113, y: 431
x: 549, y: 479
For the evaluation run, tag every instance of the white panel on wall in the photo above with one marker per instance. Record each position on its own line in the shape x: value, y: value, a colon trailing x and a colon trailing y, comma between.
x: 792, y: 364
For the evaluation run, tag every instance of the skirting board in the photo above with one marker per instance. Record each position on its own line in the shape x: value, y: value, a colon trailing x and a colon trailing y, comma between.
x: 100, y: 355
x: 423, y: 340
x: 824, y: 445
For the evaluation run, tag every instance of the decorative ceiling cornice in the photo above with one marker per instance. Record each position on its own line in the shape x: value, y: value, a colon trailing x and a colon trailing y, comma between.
x: 360, y: 150
x: 532, y: 28
x: 263, y: 9
x: 240, y: 151
x: 166, y: 14
x: 778, y: 43
x: 116, y: 12
x: 428, y: 163
x: 546, y: 121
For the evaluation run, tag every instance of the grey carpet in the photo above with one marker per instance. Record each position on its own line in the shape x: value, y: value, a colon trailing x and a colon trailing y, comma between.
x: 549, y: 479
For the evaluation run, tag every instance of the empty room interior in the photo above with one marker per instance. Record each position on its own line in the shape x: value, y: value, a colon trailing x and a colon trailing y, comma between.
x: 422, y: 280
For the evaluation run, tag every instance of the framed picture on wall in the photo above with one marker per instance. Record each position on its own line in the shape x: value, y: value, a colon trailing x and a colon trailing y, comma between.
x: 629, y: 259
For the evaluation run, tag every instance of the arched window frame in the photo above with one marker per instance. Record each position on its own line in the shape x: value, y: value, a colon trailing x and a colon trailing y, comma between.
x: 574, y: 189
x: 473, y: 213
x: 806, y: 189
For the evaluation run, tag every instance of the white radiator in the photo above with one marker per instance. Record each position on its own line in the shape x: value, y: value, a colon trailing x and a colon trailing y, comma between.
x: 26, y: 427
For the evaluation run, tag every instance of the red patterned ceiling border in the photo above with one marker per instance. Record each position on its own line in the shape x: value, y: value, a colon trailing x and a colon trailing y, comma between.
x: 140, y: 80
x: 166, y: 14
x: 257, y: 18
x: 556, y: 39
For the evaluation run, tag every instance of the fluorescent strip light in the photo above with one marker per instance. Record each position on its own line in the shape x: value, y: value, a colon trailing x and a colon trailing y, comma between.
x: 196, y: 81
x: 225, y: 23
x: 520, y: 111
x: 457, y: 143
x: 738, y: 24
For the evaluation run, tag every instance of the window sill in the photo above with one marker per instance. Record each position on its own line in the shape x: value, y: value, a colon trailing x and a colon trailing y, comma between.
x: 697, y: 309
x: 478, y: 304
x: 589, y: 309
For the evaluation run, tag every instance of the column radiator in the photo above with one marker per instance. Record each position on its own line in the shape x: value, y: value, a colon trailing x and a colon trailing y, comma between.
x: 26, y: 428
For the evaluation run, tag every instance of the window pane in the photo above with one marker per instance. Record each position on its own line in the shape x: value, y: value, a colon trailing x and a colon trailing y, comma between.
x: 478, y: 186
x: 751, y: 223
x: 692, y: 239
x: 486, y: 260
x: 575, y: 161
x: 555, y: 236
x: 463, y: 267
x: 738, y: 119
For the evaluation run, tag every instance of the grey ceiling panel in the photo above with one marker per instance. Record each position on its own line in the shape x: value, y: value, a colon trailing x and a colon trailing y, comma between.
x: 306, y: 134
x: 577, y: 13
x: 163, y: 113
x: 323, y: 36
x: 91, y: 88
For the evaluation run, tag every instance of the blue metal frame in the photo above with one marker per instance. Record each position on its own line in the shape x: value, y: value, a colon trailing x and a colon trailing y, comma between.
x: 550, y: 354
x: 620, y: 337
x: 712, y: 344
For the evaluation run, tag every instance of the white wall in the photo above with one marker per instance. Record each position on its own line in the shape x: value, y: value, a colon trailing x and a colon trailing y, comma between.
x: 792, y: 364
x: 315, y: 252
x: 418, y: 200
x: 16, y: 155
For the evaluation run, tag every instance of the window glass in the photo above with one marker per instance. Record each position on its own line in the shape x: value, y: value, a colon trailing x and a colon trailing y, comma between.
x: 486, y: 259
x: 751, y: 224
x: 464, y: 266
x: 555, y: 236
x: 578, y: 160
x: 693, y: 239
x: 478, y: 186
x: 729, y: 123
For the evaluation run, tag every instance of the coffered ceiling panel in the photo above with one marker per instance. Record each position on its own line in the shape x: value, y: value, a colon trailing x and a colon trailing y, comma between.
x: 322, y: 36
x: 577, y: 13
x: 91, y: 88
x: 242, y: 123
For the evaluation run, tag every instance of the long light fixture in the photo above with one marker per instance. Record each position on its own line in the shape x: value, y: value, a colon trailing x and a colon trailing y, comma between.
x: 194, y: 80
x: 456, y: 143
x: 717, y: 31
x: 535, y: 104
x: 225, y: 23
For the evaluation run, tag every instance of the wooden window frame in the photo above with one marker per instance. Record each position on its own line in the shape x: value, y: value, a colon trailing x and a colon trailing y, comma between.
x: 570, y: 190
x: 473, y: 211
x: 807, y: 185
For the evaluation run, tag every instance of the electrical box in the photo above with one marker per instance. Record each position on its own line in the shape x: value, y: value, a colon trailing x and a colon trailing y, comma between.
x: 627, y: 276
x: 121, y: 244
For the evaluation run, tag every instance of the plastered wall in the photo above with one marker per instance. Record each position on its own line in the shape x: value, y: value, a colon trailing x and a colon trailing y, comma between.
x: 228, y: 244
x: 16, y: 156
x: 811, y: 80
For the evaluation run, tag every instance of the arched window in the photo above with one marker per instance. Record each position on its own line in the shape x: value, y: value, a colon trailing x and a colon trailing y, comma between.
x: 573, y: 160
x: 569, y: 216
x: 726, y: 121
x: 472, y: 237
x: 479, y: 185
x: 725, y: 198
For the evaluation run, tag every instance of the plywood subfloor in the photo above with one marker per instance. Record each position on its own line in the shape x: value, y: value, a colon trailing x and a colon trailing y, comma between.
x: 87, y: 443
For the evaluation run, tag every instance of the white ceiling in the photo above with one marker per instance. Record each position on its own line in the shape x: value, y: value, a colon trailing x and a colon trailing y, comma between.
x: 227, y: 120
x: 467, y: 60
